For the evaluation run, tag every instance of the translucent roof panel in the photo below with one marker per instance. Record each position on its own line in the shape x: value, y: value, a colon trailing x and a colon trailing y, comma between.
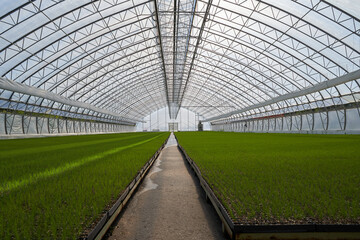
x: 220, y: 58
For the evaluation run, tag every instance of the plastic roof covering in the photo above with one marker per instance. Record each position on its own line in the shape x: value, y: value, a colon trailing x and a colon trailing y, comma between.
x: 213, y: 57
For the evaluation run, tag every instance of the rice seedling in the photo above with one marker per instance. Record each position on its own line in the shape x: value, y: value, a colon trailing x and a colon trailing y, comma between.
x: 55, y: 188
x: 280, y: 178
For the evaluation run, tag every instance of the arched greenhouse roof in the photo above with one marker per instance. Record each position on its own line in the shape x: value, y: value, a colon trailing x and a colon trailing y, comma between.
x: 223, y: 59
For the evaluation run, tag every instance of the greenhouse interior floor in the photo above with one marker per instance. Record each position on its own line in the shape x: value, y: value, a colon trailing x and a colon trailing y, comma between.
x: 169, y: 204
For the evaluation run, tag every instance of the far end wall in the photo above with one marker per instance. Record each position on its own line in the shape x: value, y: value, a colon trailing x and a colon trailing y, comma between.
x: 159, y: 120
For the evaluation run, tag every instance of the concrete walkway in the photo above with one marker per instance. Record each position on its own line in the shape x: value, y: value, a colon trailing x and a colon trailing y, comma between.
x: 169, y: 204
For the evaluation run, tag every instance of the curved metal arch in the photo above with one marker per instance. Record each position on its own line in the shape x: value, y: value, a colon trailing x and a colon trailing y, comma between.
x: 302, y: 103
x: 303, y: 20
x: 335, y: 64
x: 206, y: 75
x: 85, y: 54
x: 76, y: 45
x: 357, y: 83
x: 128, y: 87
x: 50, y: 89
x: 108, y: 79
x: 109, y: 91
x: 14, y: 10
x: 71, y: 11
x: 224, y: 97
x: 109, y: 64
x: 134, y: 113
x: 123, y: 65
x: 240, y: 78
x: 146, y: 49
x: 267, y: 56
x: 108, y: 88
x: 137, y: 109
x: 252, y: 69
x: 140, y: 113
x: 152, y: 60
x: 20, y: 7
x: 222, y: 93
x: 337, y: 8
x: 85, y: 66
x: 284, y: 64
x: 276, y: 83
x: 227, y: 96
x: 105, y: 102
x: 234, y: 76
x: 42, y: 25
x: 200, y: 102
x: 118, y: 93
x: 271, y: 44
x: 148, y: 109
x: 204, y: 112
x: 114, y: 51
x: 111, y: 102
x: 245, y: 73
x: 210, y: 89
x: 98, y: 100
x: 203, y: 107
x: 327, y: 33
x: 124, y: 87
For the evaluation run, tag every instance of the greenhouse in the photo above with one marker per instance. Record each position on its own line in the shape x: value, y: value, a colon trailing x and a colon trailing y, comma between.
x: 260, y: 98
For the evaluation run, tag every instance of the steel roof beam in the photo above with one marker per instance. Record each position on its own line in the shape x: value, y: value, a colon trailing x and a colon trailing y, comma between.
x: 161, y: 50
x: 195, y: 51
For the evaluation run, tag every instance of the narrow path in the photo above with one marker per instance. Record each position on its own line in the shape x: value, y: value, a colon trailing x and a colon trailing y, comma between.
x: 169, y: 204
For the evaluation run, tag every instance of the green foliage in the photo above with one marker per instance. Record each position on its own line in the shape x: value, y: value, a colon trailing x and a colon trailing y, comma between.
x: 280, y: 178
x: 54, y: 188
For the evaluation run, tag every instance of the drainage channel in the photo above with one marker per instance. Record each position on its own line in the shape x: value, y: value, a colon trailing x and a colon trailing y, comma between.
x: 169, y: 204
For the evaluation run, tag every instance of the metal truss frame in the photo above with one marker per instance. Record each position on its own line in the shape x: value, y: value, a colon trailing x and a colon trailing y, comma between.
x: 126, y: 59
